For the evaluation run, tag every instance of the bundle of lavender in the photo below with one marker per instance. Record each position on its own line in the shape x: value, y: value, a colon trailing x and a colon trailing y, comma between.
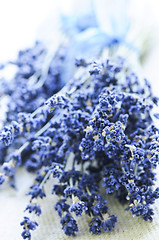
x: 93, y: 130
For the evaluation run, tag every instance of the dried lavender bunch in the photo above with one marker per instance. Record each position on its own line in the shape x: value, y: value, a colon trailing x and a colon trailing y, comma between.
x: 97, y: 129
x: 37, y: 76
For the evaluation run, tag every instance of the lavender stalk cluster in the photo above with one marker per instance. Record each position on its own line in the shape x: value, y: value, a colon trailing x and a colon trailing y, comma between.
x: 93, y: 131
x: 97, y: 129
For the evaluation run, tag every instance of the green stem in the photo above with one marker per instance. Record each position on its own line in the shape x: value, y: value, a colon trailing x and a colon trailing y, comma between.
x: 136, y: 169
x: 45, y: 179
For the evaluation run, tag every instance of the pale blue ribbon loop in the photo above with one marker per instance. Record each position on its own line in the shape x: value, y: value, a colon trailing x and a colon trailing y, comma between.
x: 108, y: 23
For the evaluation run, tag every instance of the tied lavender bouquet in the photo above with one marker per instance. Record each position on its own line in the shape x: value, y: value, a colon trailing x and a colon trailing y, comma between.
x: 87, y: 123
